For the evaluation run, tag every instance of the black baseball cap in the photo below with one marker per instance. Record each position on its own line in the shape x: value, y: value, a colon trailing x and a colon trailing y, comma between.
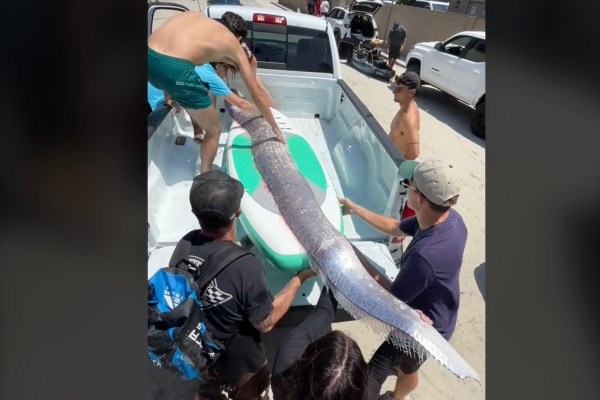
x: 215, y: 197
x: 408, y: 79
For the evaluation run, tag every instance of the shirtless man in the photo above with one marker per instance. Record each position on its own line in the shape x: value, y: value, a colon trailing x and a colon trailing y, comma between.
x: 189, y: 39
x: 404, y: 130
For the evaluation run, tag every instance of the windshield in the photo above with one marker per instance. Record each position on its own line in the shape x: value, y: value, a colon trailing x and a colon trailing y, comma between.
x: 439, y: 7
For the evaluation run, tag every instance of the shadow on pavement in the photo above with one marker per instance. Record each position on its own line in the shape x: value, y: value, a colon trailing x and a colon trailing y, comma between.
x: 480, y: 278
x: 448, y: 110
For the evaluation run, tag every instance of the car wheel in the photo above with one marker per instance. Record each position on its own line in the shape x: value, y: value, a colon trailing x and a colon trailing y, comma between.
x: 336, y: 35
x: 416, y: 68
x: 478, y: 121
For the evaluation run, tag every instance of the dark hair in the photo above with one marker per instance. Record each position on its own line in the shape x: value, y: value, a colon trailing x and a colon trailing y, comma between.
x: 235, y: 24
x: 331, y: 368
x: 441, y: 209
x: 212, y: 223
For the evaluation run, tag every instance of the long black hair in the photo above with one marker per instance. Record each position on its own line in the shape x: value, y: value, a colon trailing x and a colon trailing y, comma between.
x: 331, y: 368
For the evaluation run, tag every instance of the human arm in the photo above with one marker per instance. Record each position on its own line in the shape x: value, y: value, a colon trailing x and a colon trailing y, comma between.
x: 403, y: 41
x: 258, y: 94
x: 383, y: 281
x: 314, y: 326
x: 382, y: 223
x: 283, y: 301
x: 242, y: 104
x: 217, y: 86
x: 254, y: 67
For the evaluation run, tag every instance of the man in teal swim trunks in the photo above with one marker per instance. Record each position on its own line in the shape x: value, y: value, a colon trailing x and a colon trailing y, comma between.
x: 212, y: 74
x: 189, y: 39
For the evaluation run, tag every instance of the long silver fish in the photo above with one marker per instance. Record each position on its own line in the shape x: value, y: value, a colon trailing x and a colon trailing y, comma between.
x: 333, y: 257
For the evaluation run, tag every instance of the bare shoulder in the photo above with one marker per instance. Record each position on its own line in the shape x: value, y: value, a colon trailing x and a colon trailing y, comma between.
x: 186, y: 19
x: 411, y: 116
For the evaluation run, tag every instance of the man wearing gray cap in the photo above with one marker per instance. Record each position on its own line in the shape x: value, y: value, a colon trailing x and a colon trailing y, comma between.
x: 237, y: 303
x: 429, y: 268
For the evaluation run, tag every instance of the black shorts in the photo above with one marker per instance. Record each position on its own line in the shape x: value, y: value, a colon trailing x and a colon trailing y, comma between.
x: 243, y: 371
x: 395, y: 357
x: 249, y: 386
x: 394, y: 52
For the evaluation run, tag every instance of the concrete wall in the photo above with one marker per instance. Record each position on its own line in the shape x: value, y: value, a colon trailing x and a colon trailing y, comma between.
x: 424, y: 25
x: 421, y: 25
x: 465, y: 6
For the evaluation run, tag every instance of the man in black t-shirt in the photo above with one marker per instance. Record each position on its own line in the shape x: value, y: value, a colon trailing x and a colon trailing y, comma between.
x: 238, y: 305
x: 395, y: 43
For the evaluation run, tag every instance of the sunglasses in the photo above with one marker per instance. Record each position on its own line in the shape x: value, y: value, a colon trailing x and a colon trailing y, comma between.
x: 406, y: 184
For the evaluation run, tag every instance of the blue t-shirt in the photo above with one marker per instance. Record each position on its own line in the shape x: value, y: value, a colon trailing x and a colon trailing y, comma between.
x: 207, y: 75
x: 430, y: 268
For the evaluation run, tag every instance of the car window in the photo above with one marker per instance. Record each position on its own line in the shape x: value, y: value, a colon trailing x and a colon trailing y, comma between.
x: 420, y: 4
x: 455, y: 46
x: 439, y: 7
x: 335, y: 14
x: 296, y: 49
x: 477, y: 52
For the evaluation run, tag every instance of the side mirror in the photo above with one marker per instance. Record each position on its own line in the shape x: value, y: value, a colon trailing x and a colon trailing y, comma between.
x: 437, y: 45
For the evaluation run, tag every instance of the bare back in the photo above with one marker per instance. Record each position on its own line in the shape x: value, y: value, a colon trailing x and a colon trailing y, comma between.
x: 404, y: 131
x: 194, y: 37
x: 199, y: 39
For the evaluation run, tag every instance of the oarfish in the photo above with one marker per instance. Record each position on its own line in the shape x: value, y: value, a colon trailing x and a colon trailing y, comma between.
x: 333, y: 257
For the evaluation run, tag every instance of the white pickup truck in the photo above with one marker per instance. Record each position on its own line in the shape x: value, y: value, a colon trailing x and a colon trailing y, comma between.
x: 299, y: 65
x: 457, y: 67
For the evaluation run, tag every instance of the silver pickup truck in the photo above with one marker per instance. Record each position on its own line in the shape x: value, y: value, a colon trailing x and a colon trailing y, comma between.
x: 299, y: 64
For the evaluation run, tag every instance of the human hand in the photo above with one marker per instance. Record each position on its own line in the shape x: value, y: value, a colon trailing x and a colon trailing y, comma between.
x: 348, y: 205
x: 248, y: 107
x: 424, y: 317
x: 306, y: 274
x: 280, y: 136
x: 173, y: 104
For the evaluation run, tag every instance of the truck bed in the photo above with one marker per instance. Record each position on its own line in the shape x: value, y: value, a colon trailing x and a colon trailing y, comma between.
x: 349, y: 169
x: 354, y: 156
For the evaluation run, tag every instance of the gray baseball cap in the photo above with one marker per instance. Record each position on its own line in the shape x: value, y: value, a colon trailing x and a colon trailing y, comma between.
x: 435, y: 179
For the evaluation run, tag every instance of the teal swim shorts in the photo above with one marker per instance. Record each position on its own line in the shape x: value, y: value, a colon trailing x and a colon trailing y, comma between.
x: 179, y: 78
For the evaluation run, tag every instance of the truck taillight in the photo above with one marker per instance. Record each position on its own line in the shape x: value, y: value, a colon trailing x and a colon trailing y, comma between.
x: 269, y: 19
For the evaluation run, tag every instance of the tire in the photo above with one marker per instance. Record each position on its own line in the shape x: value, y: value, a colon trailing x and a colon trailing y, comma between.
x: 416, y: 68
x: 478, y: 121
x: 336, y: 35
